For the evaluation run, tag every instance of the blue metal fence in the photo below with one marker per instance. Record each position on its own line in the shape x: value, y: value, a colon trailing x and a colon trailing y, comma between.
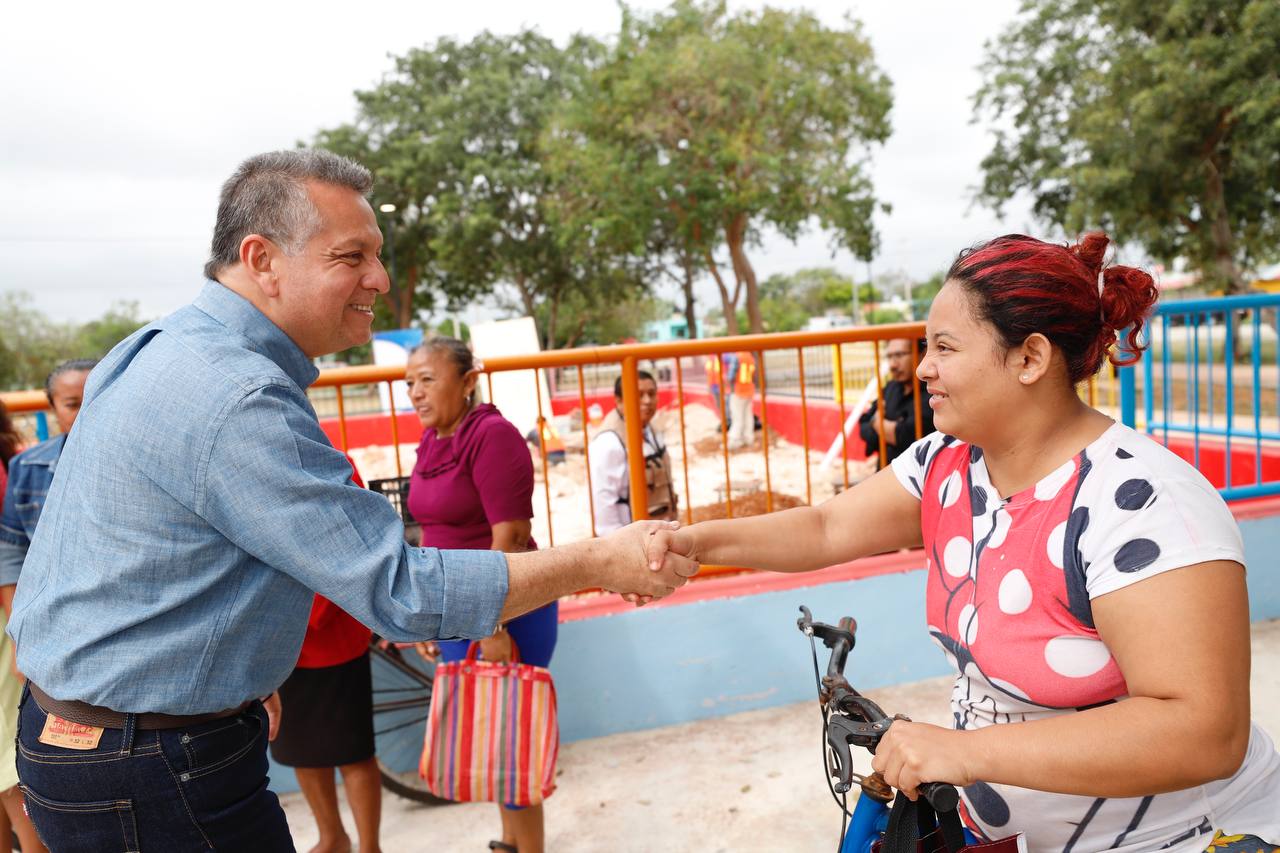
x: 1211, y: 372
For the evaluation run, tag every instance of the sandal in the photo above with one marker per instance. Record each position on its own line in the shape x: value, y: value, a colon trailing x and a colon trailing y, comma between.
x: 503, y: 846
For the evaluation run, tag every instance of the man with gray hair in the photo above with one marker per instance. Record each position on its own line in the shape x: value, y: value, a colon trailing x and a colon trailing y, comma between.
x: 198, y: 504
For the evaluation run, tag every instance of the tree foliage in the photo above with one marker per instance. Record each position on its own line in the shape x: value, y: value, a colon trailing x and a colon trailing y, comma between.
x: 1157, y: 121
x: 788, y: 300
x: 454, y: 136
x: 705, y: 127
x: 31, y: 344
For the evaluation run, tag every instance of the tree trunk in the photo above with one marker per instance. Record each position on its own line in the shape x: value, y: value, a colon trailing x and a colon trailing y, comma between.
x: 526, y: 294
x: 553, y: 313
x: 400, y: 299
x: 690, y: 315
x: 736, y: 236
x: 727, y: 303
x: 1224, y: 260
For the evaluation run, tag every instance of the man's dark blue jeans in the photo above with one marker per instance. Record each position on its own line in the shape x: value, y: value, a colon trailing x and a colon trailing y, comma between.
x: 197, y: 788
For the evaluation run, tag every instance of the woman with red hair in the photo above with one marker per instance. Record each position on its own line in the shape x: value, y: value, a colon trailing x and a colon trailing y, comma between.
x: 1086, y: 584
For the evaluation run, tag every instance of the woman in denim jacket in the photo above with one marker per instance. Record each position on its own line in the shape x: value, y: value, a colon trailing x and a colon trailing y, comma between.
x: 29, y: 476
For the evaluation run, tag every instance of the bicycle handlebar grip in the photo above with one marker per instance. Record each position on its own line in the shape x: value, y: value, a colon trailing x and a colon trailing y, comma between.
x: 941, y: 795
x: 846, y: 623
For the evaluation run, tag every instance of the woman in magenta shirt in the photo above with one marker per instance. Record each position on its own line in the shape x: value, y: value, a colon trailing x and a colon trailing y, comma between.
x: 472, y: 488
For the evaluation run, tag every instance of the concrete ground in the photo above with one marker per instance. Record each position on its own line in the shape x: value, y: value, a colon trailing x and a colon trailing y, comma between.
x: 747, y: 782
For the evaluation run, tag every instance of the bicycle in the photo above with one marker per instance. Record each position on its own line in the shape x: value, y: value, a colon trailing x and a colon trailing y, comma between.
x: 849, y: 718
x: 401, y: 704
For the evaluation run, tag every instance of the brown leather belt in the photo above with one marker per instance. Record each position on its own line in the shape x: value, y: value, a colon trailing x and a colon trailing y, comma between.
x: 93, y: 715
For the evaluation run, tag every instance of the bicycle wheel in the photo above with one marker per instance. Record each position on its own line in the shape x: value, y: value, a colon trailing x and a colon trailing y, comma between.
x: 401, y: 703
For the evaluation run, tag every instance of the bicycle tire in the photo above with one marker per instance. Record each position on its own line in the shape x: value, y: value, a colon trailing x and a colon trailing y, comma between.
x: 403, y: 680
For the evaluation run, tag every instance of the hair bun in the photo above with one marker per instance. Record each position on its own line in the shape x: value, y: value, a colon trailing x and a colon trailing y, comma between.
x: 1127, y: 296
x: 1092, y: 250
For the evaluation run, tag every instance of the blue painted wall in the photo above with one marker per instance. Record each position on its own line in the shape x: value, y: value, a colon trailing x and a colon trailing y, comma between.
x: 653, y: 667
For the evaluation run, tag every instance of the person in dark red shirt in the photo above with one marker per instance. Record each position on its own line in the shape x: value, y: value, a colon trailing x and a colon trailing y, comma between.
x: 327, y: 723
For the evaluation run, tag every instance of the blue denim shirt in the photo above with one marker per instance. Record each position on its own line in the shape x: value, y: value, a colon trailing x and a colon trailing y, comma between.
x: 196, y: 506
x: 30, y: 474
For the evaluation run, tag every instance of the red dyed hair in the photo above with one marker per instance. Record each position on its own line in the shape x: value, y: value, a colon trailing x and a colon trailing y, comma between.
x: 1022, y: 285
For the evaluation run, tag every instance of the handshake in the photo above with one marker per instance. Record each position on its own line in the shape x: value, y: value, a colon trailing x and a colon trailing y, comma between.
x: 646, y: 560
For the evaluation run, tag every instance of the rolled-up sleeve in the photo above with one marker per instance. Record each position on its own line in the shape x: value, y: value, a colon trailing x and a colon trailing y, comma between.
x: 274, y: 485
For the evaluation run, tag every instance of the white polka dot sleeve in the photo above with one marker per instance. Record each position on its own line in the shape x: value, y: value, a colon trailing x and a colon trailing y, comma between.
x: 1150, y: 512
x: 911, y: 466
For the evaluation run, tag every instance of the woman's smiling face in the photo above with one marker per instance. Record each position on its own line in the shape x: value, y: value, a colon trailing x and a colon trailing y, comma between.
x: 971, y: 383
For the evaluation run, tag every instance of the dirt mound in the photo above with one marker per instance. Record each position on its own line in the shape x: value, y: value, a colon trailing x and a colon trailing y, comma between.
x: 745, y: 505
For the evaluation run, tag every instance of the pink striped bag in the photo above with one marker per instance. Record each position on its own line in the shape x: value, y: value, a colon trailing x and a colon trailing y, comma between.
x: 492, y: 735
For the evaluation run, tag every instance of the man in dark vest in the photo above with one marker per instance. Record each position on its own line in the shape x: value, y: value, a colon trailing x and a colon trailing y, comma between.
x: 900, y: 395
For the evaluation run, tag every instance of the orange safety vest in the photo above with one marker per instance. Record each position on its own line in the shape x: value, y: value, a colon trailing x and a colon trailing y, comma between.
x: 744, y: 382
x: 551, y: 439
x: 715, y: 370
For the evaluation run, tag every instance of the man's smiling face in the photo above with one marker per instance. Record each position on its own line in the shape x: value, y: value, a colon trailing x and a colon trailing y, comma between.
x: 327, y: 289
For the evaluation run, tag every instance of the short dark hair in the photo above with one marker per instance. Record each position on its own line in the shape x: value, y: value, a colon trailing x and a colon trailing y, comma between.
x: 75, y: 365
x: 640, y: 374
x: 267, y: 195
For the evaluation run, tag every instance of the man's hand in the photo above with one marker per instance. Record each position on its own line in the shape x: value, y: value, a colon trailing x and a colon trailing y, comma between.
x: 642, y: 569
x: 274, y: 711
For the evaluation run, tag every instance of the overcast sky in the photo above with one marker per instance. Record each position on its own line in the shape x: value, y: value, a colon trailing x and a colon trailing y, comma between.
x: 119, y: 121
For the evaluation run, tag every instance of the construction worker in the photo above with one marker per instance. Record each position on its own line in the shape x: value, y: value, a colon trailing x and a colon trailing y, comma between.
x: 610, y: 481
x: 741, y: 418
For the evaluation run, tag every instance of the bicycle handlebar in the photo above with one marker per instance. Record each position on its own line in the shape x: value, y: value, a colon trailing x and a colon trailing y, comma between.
x: 855, y: 719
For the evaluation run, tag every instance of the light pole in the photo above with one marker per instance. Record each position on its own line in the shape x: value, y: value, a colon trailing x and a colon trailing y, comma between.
x: 388, y: 209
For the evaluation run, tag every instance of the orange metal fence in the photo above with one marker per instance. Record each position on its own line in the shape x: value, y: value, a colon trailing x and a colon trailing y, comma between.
x: 844, y: 343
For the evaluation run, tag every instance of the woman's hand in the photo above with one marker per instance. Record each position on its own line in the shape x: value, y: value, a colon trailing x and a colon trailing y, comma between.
x: 911, y: 753
x: 498, y: 648
x: 430, y: 650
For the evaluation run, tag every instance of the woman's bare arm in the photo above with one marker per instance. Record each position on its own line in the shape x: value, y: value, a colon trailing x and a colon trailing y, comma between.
x: 511, y: 536
x: 875, y: 516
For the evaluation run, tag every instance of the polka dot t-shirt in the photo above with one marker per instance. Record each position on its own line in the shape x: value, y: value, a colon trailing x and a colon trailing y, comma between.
x: 1010, y: 585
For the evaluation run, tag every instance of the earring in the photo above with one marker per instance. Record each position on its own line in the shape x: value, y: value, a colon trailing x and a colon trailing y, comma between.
x: 1025, y: 377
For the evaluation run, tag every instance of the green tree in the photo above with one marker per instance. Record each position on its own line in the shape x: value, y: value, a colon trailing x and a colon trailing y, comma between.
x: 923, y: 292
x: 727, y: 124
x: 788, y: 300
x: 592, y: 322
x: 31, y: 344
x: 96, y: 338
x: 455, y: 137
x: 1157, y: 121
x: 35, y: 342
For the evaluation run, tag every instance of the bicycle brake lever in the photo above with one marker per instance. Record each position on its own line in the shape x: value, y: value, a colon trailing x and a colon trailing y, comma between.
x: 839, y: 744
x: 841, y: 733
x: 805, y: 622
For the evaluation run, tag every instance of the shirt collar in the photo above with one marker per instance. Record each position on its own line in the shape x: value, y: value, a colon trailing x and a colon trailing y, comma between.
x: 236, y: 313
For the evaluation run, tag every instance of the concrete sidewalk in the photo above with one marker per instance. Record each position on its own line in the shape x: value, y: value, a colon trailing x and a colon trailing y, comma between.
x: 751, y: 781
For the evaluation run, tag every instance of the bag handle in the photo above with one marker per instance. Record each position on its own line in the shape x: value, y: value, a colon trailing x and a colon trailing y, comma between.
x: 474, y: 649
x: 911, y: 820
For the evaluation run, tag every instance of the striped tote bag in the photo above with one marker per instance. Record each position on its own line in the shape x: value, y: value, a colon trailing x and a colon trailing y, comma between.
x: 492, y: 735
